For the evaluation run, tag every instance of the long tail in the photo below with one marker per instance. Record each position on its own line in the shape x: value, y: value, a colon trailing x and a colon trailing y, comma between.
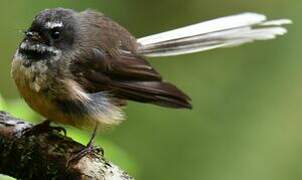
x: 218, y: 33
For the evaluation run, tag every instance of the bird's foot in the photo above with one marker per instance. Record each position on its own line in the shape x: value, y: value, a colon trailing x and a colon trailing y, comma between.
x: 42, y: 128
x: 89, y: 149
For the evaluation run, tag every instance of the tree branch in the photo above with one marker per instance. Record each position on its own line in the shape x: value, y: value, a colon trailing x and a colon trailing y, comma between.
x: 45, y: 155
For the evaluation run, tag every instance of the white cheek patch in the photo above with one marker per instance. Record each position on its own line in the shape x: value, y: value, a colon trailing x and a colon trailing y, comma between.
x: 51, y: 25
x: 40, y: 48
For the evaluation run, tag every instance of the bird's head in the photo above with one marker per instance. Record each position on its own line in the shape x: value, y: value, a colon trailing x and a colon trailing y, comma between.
x: 51, y: 33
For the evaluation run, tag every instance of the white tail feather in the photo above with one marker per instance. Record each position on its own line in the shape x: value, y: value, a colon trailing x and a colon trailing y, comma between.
x: 222, y: 32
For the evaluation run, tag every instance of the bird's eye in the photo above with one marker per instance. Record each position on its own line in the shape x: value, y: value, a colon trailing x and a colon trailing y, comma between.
x: 55, y: 34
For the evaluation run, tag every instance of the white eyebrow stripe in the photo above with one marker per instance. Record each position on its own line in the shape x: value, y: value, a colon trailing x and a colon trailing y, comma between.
x: 52, y: 25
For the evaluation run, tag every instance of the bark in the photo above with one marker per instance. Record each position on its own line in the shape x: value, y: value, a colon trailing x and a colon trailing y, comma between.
x: 46, y: 155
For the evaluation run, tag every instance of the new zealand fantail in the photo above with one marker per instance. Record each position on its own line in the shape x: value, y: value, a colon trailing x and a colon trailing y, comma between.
x: 80, y: 68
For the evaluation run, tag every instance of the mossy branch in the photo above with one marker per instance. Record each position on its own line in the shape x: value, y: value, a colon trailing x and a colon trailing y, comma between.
x: 46, y: 155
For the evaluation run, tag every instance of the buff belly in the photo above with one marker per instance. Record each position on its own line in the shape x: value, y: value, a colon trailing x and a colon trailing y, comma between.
x: 32, y: 83
x: 29, y: 83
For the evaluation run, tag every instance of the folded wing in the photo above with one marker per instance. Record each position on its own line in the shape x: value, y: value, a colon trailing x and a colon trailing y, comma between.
x: 129, y: 77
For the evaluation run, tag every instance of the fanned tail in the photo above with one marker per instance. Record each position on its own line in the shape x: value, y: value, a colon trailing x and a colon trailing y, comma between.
x: 218, y: 33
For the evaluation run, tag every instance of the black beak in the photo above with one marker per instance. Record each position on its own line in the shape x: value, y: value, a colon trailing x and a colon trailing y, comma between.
x: 32, y: 35
x: 35, y: 37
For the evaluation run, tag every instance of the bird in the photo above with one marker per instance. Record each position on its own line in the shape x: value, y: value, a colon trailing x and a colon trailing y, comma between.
x: 81, y: 68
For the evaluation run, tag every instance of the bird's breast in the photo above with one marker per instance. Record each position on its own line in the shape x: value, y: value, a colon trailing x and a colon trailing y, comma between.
x: 32, y: 81
x: 62, y: 100
x: 33, y: 76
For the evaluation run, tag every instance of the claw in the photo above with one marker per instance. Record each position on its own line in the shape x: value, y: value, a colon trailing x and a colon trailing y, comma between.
x: 59, y: 129
x: 90, y: 149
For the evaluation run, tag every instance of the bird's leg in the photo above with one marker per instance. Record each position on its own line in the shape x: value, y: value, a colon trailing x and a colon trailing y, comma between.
x: 90, y: 148
x: 91, y: 141
x: 43, y: 127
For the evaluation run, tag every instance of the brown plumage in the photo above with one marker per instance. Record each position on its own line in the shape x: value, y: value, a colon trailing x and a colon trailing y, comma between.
x: 80, y: 68
x: 112, y: 64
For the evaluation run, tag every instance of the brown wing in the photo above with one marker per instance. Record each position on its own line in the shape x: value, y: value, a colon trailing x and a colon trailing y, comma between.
x: 128, y: 77
x: 113, y: 66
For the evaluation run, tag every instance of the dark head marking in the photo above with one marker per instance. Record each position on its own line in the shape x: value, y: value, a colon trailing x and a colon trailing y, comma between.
x: 51, y: 31
x: 57, y: 25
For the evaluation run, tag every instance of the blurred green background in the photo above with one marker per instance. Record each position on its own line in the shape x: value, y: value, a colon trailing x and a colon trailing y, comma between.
x: 246, y: 123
